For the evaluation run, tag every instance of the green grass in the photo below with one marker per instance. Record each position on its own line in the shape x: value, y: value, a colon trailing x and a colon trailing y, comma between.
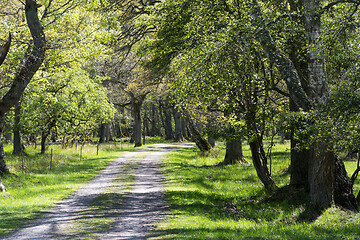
x: 229, y: 202
x: 36, y: 187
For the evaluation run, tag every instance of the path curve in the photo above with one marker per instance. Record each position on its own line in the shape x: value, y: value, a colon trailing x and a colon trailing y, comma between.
x: 140, y: 209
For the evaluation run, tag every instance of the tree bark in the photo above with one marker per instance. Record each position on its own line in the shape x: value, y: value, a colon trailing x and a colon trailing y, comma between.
x: 108, y: 132
x: 177, y: 119
x: 136, y: 104
x: 322, y: 163
x: 166, y: 121
x: 183, y: 128
x: 18, y: 146
x: 30, y: 64
x: 102, y: 133
x: 44, y: 136
x: 299, y: 166
x: 5, y: 49
x: 3, y: 167
x: 260, y: 163
x: 199, y: 140
x: 234, y: 153
x: 343, y: 187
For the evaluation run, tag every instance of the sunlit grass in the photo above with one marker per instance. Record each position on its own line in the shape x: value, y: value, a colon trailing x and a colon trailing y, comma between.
x: 229, y: 202
x: 34, y: 186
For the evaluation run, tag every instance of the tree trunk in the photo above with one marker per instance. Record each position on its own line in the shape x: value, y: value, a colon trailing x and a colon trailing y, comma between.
x: 200, y: 142
x: 300, y: 158
x: 136, y: 108
x: 5, y: 49
x: 183, y: 128
x: 299, y: 166
x: 108, y: 133
x: 260, y: 163
x: 44, y: 136
x: 18, y: 146
x: 166, y: 121
x: 153, y: 121
x: 2, y: 187
x: 29, y: 65
x: 322, y: 163
x: 177, y: 120
x: 234, y: 153
x: 285, y: 67
x: 211, y: 141
x: 102, y: 133
x: 343, y: 187
x: 3, y: 167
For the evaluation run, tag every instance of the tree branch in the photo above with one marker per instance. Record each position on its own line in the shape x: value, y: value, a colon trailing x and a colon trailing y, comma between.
x: 332, y: 4
x: 32, y: 59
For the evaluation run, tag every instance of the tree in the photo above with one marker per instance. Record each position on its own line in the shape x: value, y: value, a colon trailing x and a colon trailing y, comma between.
x: 4, y: 49
x: 31, y: 63
x: 233, y: 76
x: 70, y: 104
x: 322, y: 160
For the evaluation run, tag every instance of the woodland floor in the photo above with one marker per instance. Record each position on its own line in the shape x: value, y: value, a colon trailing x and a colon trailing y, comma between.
x: 122, y: 202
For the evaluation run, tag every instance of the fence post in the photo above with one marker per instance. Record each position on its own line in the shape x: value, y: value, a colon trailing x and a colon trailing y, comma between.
x: 51, y: 158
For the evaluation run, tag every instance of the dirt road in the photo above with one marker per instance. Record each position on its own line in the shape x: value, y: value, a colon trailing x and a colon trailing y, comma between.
x: 122, y: 202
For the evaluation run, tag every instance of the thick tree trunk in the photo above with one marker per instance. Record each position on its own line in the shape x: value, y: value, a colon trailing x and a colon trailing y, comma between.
x: 300, y: 157
x: 299, y: 166
x: 321, y: 177
x: 136, y: 108
x: 18, y: 146
x: 322, y: 163
x: 234, y: 153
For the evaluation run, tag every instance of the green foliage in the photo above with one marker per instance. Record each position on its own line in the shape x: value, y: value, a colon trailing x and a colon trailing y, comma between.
x: 70, y: 103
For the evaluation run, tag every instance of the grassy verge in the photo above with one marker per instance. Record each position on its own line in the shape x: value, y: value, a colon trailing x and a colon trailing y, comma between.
x: 229, y: 202
x: 37, y: 186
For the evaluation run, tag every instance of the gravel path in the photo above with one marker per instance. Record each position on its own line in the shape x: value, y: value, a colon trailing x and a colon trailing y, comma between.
x: 127, y: 217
